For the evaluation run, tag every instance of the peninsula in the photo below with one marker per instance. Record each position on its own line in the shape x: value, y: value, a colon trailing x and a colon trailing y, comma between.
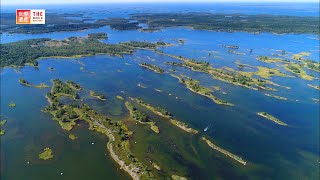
x: 271, y: 118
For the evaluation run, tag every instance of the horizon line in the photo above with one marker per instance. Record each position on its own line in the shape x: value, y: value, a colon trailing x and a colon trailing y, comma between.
x: 161, y: 2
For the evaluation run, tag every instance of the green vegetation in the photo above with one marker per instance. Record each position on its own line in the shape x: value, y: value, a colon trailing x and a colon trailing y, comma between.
x: 26, y: 83
x: 300, y: 56
x: 144, y: 44
x: 73, y: 85
x: 12, y: 104
x: 270, y: 117
x: 152, y: 67
x: 72, y: 137
x: 297, y: 70
x: 118, y: 134
x: 99, y: 36
x: 164, y: 113
x: 312, y: 65
x: 2, y: 132
x: 233, y: 22
x: 157, y: 110
x: 141, y: 117
x: 183, y: 126
x: 270, y: 59
x: 316, y: 100
x: 314, y: 86
x: 97, y: 95
x: 61, y: 22
x: 277, y: 97
x: 225, y: 152
x: 194, y: 86
x: 176, y: 177
x: 46, y: 154
x: 29, y: 51
x: 226, y: 75
x: 119, y: 97
x: 236, y: 52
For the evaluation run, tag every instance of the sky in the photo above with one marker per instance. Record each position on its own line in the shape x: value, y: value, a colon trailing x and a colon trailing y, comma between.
x: 15, y: 2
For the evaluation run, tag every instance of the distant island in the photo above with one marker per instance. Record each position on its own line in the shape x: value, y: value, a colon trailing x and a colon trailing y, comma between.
x: 29, y: 51
x: 233, y: 22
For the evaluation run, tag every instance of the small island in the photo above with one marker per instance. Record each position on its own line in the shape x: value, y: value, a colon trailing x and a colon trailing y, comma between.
x: 164, y: 113
x: 267, y: 59
x: 271, y: 118
x: 141, y: 117
x: 73, y: 137
x: 2, y: 132
x: 119, y: 97
x: 46, y: 154
x: 176, y: 177
x: 194, y: 86
x: 157, y: 110
x: 26, y: 83
x: 152, y: 67
x: 97, y: 95
x: 12, y: 104
x: 277, y: 97
x: 225, y: 152
x: 314, y: 86
x: 298, y: 71
x: 183, y: 126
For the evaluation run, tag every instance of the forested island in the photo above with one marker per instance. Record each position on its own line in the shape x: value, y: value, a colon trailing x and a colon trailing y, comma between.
x: 223, y: 151
x: 63, y: 22
x: 2, y: 123
x: 26, y: 83
x: 141, y: 117
x: 46, y: 154
x: 24, y: 52
x: 166, y: 114
x: 271, y: 118
x: 152, y: 67
x: 232, y: 22
x: 97, y: 95
x: 194, y: 86
x: 226, y: 75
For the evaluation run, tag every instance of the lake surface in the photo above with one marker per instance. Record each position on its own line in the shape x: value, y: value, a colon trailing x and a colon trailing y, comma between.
x: 272, y: 151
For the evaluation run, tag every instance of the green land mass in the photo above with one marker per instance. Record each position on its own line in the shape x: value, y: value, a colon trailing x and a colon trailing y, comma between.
x: 223, y: 151
x: 226, y: 75
x: 72, y: 137
x: 2, y: 123
x: 316, y: 100
x: 26, y: 83
x: 62, y: 22
x: 298, y: 71
x: 176, y: 177
x: 271, y: 59
x: 68, y: 115
x: 271, y: 118
x: 119, y: 97
x: 314, y: 86
x: 141, y: 117
x: 46, y: 154
x: 157, y: 110
x: 12, y: 104
x: 152, y: 67
x: 194, y: 86
x: 20, y: 53
x: 277, y: 97
x: 232, y: 22
x: 97, y: 95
